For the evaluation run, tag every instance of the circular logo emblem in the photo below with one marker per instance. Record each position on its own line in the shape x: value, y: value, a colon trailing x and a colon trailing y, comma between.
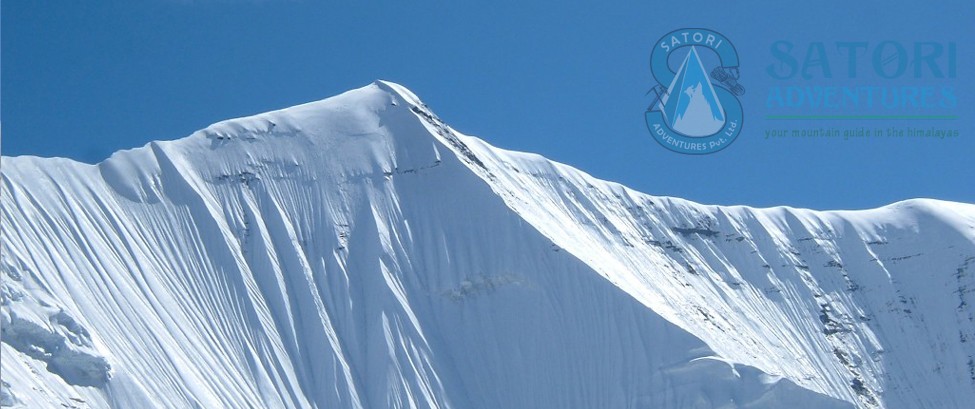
x: 695, y: 109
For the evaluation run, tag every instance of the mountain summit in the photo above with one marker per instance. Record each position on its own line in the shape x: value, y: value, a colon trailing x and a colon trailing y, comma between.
x: 358, y: 252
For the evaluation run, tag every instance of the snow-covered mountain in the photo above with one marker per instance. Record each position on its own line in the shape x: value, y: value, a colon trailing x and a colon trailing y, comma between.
x: 357, y: 252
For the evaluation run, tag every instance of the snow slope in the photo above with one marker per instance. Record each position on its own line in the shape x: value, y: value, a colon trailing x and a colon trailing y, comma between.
x: 357, y: 252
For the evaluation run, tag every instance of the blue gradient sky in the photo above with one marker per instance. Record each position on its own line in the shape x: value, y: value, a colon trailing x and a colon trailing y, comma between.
x: 566, y: 80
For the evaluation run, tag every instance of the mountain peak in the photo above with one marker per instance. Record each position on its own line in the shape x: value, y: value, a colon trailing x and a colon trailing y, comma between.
x: 355, y: 104
x: 376, y: 129
x: 357, y: 252
x: 399, y: 91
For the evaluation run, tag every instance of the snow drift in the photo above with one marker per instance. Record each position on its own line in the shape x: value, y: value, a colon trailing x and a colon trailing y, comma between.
x: 357, y: 252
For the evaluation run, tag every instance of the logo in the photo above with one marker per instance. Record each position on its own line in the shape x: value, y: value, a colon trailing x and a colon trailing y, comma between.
x: 695, y: 110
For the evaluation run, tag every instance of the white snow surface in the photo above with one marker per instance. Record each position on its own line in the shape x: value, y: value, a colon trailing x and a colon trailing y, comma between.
x: 357, y: 252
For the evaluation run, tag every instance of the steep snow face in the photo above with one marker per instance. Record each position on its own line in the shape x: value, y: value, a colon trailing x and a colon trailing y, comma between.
x: 357, y: 252
x: 873, y: 307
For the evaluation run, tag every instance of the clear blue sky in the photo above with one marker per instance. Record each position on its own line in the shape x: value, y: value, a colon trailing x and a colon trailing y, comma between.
x: 566, y: 80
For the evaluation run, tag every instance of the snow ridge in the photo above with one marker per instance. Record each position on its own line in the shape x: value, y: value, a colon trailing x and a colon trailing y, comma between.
x: 358, y: 252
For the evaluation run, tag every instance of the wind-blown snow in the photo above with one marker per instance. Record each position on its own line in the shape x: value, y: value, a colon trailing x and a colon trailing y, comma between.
x: 357, y: 252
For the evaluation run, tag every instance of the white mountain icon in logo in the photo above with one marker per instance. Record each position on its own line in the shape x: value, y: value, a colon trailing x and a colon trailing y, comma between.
x: 691, y: 105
